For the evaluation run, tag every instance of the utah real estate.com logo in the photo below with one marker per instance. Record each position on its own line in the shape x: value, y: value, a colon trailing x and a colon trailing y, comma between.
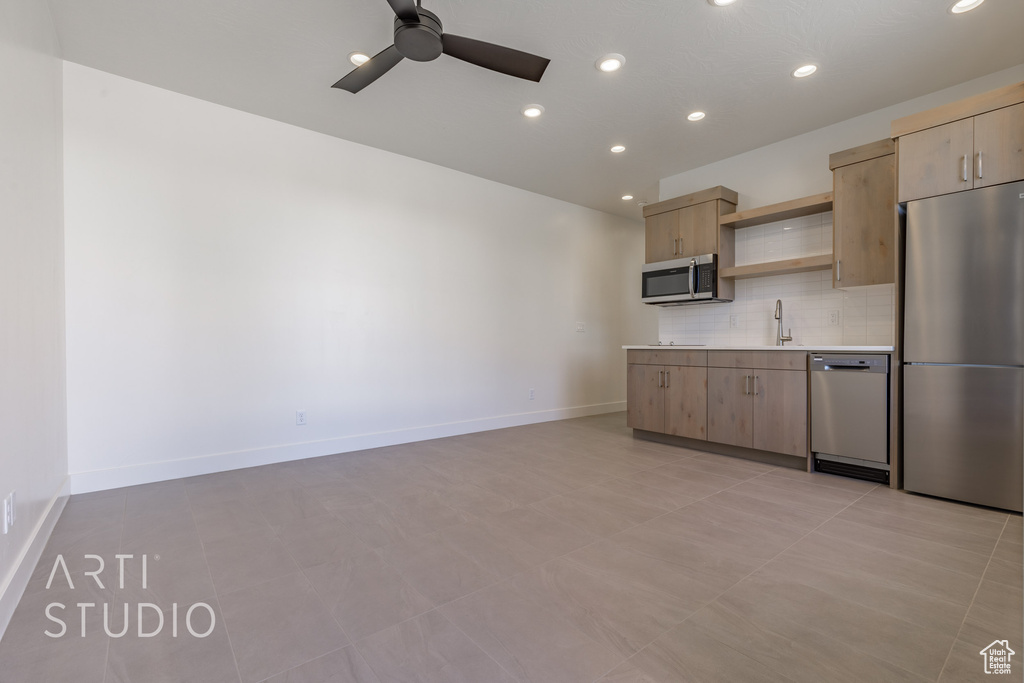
x: 56, y: 616
x: 997, y: 657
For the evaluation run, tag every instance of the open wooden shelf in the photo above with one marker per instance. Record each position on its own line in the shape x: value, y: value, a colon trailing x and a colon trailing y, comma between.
x: 794, y: 208
x: 804, y: 264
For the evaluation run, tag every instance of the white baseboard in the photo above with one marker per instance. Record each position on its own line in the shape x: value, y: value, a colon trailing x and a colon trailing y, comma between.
x: 13, y: 586
x: 145, y: 473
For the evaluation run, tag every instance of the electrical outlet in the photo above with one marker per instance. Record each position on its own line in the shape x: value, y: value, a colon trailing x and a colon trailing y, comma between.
x: 581, y: 327
x: 734, y: 321
x: 300, y: 417
x: 833, y: 318
x: 531, y: 394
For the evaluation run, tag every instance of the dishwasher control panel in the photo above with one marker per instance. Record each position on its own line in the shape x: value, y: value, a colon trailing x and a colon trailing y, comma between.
x: 870, y: 363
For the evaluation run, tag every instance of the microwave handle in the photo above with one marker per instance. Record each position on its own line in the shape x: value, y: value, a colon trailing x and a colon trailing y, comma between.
x: 690, y: 281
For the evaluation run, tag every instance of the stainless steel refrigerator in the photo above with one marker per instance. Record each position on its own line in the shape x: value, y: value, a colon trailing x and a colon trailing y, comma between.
x: 963, y: 374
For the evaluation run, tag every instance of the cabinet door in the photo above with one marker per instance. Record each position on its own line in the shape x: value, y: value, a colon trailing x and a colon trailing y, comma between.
x: 864, y: 218
x: 780, y: 411
x: 729, y: 406
x: 645, y: 397
x: 999, y: 146
x: 662, y: 236
x: 698, y: 229
x: 686, y: 401
x: 932, y: 160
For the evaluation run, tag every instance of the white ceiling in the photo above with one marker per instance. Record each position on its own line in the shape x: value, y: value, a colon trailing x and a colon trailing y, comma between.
x: 279, y: 58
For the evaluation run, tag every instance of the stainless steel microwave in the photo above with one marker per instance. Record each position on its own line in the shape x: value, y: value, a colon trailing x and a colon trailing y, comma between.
x: 681, y: 281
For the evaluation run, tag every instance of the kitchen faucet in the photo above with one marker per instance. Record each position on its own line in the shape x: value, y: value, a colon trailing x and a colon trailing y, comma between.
x: 780, y: 339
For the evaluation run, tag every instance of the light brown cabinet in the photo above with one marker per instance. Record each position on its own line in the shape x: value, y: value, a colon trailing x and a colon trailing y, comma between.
x: 757, y: 406
x: 999, y: 146
x: 964, y: 145
x: 686, y: 226
x: 752, y: 399
x: 668, y: 399
x: 864, y: 218
x: 730, y: 409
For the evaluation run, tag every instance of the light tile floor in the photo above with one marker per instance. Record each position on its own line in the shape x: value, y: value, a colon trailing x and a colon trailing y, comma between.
x: 556, y: 553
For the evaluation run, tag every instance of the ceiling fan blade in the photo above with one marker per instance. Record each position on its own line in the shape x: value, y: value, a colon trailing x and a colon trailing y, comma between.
x: 405, y: 10
x: 495, y: 57
x: 364, y: 75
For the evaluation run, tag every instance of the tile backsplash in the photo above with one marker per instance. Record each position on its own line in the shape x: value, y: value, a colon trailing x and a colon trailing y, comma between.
x: 816, y: 313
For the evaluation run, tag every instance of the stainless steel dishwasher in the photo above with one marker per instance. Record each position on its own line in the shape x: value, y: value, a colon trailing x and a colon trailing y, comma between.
x: 850, y: 415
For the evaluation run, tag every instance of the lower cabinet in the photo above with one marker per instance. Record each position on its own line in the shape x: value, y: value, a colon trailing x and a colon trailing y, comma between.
x: 669, y: 399
x: 755, y: 400
x: 758, y: 408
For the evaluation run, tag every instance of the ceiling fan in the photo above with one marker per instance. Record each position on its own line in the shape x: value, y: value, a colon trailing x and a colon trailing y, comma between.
x: 419, y: 36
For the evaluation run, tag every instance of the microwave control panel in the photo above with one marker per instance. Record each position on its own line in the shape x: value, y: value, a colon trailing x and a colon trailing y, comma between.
x: 706, y: 279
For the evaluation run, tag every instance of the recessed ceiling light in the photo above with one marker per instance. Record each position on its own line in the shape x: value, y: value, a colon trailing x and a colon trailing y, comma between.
x: 626, y: 197
x: 618, y: 149
x: 720, y: 3
x: 358, y: 58
x: 696, y: 116
x: 805, y: 71
x: 964, y: 6
x: 610, y: 62
x: 532, y: 111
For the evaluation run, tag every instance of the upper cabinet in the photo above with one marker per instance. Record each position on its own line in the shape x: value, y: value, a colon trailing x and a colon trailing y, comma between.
x: 864, y: 217
x: 687, y: 226
x: 960, y: 146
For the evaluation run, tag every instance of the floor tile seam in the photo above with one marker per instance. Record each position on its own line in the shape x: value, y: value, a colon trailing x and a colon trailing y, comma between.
x: 906, y: 534
x: 767, y: 482
x: 475, y: 644
x: 631, y: 499
x: 906, y: 588
x: 891, y: 553
x: 977, y: 589
x: 707, y: 474
x: 840, y: 644
x: 972, y: 532
x: 106, y: 661
x: 541, y: 605
x: 216, y: 597
x: 401, y: 575
x: 781, y: 552
x: 324, y: 601
x: 739, y: 468
x: 869, y: 527
x: 772, y: 559
x: 668, y: 512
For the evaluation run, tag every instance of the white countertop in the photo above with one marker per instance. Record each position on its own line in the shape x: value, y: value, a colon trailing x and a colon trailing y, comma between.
x: 805, y: 349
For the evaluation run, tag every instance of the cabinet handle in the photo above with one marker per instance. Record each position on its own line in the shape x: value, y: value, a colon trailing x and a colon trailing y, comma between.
x: 979, y: 166
x: 755, y: 385
x: 666, y: 379
x: 660, y: 381
x: 839, y: 270
x: 675, y: 247
x: 965, y: 168
x: 746, y: 389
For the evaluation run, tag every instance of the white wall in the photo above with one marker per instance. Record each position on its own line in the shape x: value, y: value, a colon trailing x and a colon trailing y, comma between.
x: 33, y: 445
x: 225, y: 270
x: 798, y: 166
x: 789, y: 169
x: 860, y: 316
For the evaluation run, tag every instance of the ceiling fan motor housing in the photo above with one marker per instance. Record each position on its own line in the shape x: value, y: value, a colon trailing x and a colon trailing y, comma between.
x: 420, y: 42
